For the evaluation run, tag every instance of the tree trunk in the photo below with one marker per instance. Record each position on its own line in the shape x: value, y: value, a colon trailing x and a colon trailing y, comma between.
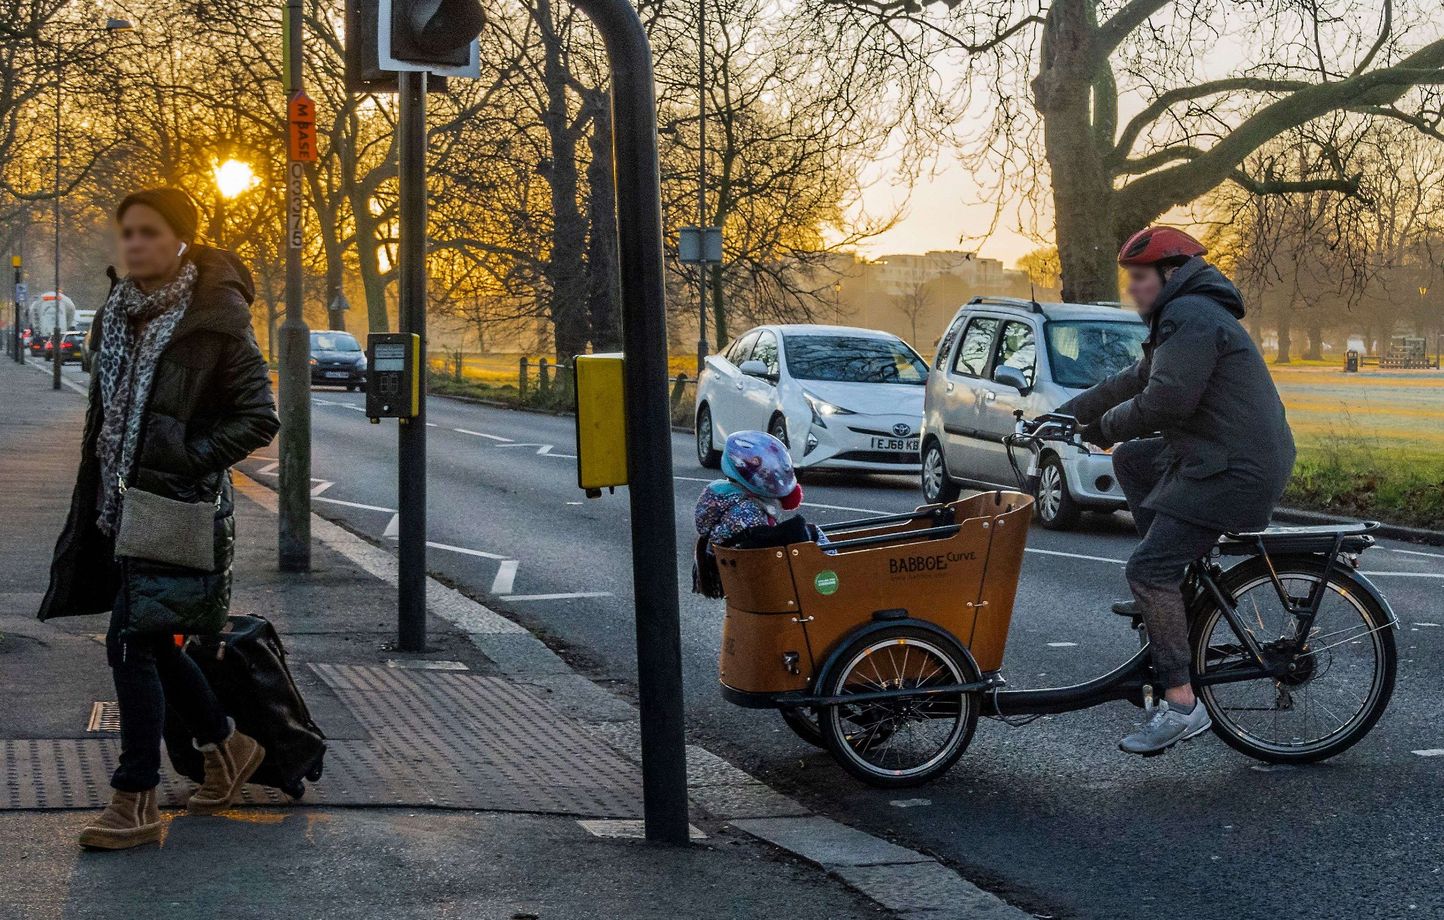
x: 1074, y: 94
x: 1315, y: 350
x: 604, y: 296
x: 564, y: 269
x: 1286, y: 343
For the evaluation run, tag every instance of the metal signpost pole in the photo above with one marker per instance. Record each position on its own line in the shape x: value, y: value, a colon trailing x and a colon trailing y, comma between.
x: 19, y: 295
x: 55, y: 215
x: 702, y: 186
x: 649, y: 432
x: 295, y: 372
x: 411, y: 438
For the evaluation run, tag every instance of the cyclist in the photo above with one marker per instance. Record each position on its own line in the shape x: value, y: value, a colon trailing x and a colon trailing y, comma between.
x: 1218, y: 464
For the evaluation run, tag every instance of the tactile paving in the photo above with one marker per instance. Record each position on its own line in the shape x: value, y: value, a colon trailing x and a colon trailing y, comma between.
x: 437, y: 738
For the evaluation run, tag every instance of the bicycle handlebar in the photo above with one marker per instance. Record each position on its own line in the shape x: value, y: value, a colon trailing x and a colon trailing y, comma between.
x: 1050, y: 426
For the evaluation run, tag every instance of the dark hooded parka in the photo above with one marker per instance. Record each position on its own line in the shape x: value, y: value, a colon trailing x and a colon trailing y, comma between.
x: 1203, y: 385
x: 210, y: 406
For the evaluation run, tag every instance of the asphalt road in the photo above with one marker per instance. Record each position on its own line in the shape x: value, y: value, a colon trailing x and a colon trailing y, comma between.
x: 1050, y: 815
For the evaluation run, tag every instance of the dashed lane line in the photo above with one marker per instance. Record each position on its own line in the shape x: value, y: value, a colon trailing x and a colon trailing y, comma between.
x: 482, y: 434
x: 464, y: 550
x: 345, y: 504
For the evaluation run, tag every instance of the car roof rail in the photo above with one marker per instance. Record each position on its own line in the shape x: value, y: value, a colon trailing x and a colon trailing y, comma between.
x: 1020, y: 302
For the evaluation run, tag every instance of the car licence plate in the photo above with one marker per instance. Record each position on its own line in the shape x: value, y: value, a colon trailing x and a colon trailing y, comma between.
x: 905, y: 444
x: 340, y: 375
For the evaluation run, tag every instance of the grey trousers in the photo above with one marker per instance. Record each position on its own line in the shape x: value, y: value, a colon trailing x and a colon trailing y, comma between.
x: 1156, y: 568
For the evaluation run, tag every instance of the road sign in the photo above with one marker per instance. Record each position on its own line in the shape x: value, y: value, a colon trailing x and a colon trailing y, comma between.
x: 22, y: 290
x: 302, y: 115
x: 699, y: 245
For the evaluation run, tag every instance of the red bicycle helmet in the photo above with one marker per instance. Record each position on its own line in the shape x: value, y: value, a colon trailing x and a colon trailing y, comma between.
x: 1154, y: 244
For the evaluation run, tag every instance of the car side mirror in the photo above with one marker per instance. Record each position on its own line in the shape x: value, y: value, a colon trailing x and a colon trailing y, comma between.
x: 755, y: 369
x: 1012, y: 377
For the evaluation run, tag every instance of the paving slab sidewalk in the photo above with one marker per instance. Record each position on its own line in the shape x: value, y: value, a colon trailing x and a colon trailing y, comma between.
x: 502, y: 745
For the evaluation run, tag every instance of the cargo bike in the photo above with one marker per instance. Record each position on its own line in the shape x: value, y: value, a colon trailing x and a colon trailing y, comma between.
x: 885, y: 644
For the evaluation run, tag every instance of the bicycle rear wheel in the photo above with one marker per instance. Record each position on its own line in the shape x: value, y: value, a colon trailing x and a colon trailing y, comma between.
x: 1334, y: 690
x: 905, y: 741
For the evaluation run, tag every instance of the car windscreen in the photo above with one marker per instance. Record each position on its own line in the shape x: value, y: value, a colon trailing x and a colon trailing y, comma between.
x: 1083, y: 352
x: 853, y: 359
x: 334, y: 341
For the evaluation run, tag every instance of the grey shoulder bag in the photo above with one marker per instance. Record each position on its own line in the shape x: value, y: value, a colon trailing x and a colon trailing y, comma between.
x: 162, y: 529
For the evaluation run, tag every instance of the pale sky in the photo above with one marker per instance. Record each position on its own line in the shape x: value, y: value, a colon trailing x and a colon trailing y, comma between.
x: 940, y: 210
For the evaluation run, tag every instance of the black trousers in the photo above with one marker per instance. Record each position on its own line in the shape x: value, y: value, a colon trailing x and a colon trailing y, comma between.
x: 149, y: 672
x: 1156, y: 568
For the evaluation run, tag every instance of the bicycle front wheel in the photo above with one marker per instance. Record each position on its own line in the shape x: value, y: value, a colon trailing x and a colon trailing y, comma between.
x: 1334, y: 689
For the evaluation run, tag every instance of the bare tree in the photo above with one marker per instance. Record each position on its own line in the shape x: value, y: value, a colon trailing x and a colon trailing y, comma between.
x: 1195, y: 121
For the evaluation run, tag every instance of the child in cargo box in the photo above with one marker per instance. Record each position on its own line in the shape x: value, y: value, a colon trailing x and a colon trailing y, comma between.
x: 755, y: 506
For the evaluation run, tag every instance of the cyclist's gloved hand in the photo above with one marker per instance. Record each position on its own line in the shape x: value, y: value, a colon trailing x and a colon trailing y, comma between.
x: 1093, y: 434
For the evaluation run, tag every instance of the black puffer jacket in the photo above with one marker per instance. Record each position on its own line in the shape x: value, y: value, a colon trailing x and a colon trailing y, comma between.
x: 210, y: 406
x: 1203, y: 384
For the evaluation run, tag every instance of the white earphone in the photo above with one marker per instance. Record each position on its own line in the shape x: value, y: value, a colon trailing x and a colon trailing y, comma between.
x: 182, y: 251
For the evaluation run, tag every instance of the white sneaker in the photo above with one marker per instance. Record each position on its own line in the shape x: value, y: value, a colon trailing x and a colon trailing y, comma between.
x: 1166, y: 728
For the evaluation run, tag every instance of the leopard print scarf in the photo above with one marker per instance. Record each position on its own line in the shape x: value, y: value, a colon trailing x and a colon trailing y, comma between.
x: 135, y: 328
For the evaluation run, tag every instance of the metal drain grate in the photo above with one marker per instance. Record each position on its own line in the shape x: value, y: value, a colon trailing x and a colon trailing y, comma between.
x: 104, y: 716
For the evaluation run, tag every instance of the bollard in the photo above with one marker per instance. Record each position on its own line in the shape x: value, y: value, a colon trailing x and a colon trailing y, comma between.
x: 1351, y: 361
x: 544, y: 380
x: 521, y: 380
x: 678, y: 389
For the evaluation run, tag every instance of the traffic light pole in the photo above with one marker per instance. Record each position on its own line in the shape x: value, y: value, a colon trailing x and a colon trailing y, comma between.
x: 411, y: 437
x: 649, y: 431
x: 295, y: 372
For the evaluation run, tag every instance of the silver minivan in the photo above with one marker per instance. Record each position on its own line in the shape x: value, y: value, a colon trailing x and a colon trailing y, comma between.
x: 990, y: 364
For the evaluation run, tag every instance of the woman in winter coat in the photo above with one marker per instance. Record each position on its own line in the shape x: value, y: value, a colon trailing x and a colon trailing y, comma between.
x: 179, y: 392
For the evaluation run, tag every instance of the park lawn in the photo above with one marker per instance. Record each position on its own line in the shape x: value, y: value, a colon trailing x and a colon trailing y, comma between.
x: 1370, y: 444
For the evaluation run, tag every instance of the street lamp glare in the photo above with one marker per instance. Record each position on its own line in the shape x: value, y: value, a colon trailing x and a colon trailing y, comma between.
x: 234, y: 177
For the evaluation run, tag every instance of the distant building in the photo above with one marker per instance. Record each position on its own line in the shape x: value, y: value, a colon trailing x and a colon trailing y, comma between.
x: 908, y: 294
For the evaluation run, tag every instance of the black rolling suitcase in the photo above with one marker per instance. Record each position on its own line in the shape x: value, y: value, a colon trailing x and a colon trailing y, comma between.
x: 246, y: 666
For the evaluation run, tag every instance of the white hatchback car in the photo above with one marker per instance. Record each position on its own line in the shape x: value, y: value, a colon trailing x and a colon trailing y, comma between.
x: 837, y: 396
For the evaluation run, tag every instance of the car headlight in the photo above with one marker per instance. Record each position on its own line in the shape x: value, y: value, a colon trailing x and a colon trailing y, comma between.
x: 313, y: 362
x: 823, y: 410
x: 361, y: 362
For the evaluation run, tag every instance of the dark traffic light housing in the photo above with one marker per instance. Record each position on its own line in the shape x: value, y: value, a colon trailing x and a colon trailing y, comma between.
x: 436, y: 32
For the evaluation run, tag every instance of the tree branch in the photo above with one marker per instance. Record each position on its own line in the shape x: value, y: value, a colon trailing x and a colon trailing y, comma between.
x: 1166, y: 101
x: 1156, y: 192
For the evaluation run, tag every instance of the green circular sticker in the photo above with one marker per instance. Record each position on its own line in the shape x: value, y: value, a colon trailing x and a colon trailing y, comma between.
x: 825, y: 582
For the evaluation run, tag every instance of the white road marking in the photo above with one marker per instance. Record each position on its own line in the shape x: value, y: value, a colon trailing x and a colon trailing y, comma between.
x: 1425, y: 623
x: 1430, y: 752
x: 270, y: 468
x: 1054, y: 552
x: 351, y: 407
x: 541, y: 449
x: 555, y: 597
x: 1062, y: 644
x: 910, y: 803
x: 393, y: 528
x: 505, y: 577
x: 357, y: 505
x: 482, y: 434
x: 320, y: 487
x: 465, y: 551
x: 1415, y: 552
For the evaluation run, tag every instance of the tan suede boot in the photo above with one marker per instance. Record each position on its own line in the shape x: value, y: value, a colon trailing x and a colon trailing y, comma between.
x: 131, y: 819
x: 228, y: 765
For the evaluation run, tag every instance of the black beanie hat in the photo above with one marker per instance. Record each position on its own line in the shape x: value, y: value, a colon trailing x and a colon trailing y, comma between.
x: 172, y: 204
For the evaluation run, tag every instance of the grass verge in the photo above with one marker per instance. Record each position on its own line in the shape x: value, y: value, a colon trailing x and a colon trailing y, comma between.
x: 1360, y: 479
